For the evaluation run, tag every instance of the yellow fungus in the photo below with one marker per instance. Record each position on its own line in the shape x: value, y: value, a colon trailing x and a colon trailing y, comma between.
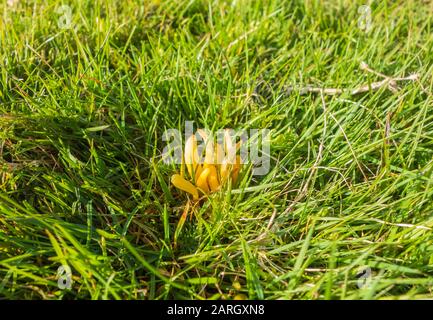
x: 229, y: 147
x: 209, y: 147
x: 213, y: 179
x: 224, y: 171
x: 220, y: 163
x: 191, y: 155
x: 236, y: 169
x: 184, y: 185
x: 202, y: 181
x: 197, y: 173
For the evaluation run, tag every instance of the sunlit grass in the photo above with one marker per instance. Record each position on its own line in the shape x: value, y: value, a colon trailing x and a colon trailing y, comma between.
x: 83, y: 110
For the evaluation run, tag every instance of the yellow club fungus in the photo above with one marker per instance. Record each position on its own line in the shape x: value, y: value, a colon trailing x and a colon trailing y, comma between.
x: 215, y: 170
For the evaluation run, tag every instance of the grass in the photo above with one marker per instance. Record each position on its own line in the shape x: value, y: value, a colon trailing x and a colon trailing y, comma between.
x: 82, y: 112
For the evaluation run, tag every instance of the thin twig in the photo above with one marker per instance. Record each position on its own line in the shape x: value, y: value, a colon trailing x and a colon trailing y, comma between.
x: 389, y: 82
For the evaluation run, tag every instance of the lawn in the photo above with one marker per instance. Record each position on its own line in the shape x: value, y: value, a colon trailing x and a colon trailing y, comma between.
x: 88, y: 209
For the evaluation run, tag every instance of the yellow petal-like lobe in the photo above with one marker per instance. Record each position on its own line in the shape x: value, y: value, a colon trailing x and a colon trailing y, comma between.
x: 213, y: 179
x: 230, y: 148
x: 219, y: 158
x: 184, y: 185
x: 191, y: 155
x: 209, y: 144
x: 224, y: 171
x: 202, y: 181
x: 236, y: 168
x: 235, y: 174
x: 197, y: 172
x: 238, y: 162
